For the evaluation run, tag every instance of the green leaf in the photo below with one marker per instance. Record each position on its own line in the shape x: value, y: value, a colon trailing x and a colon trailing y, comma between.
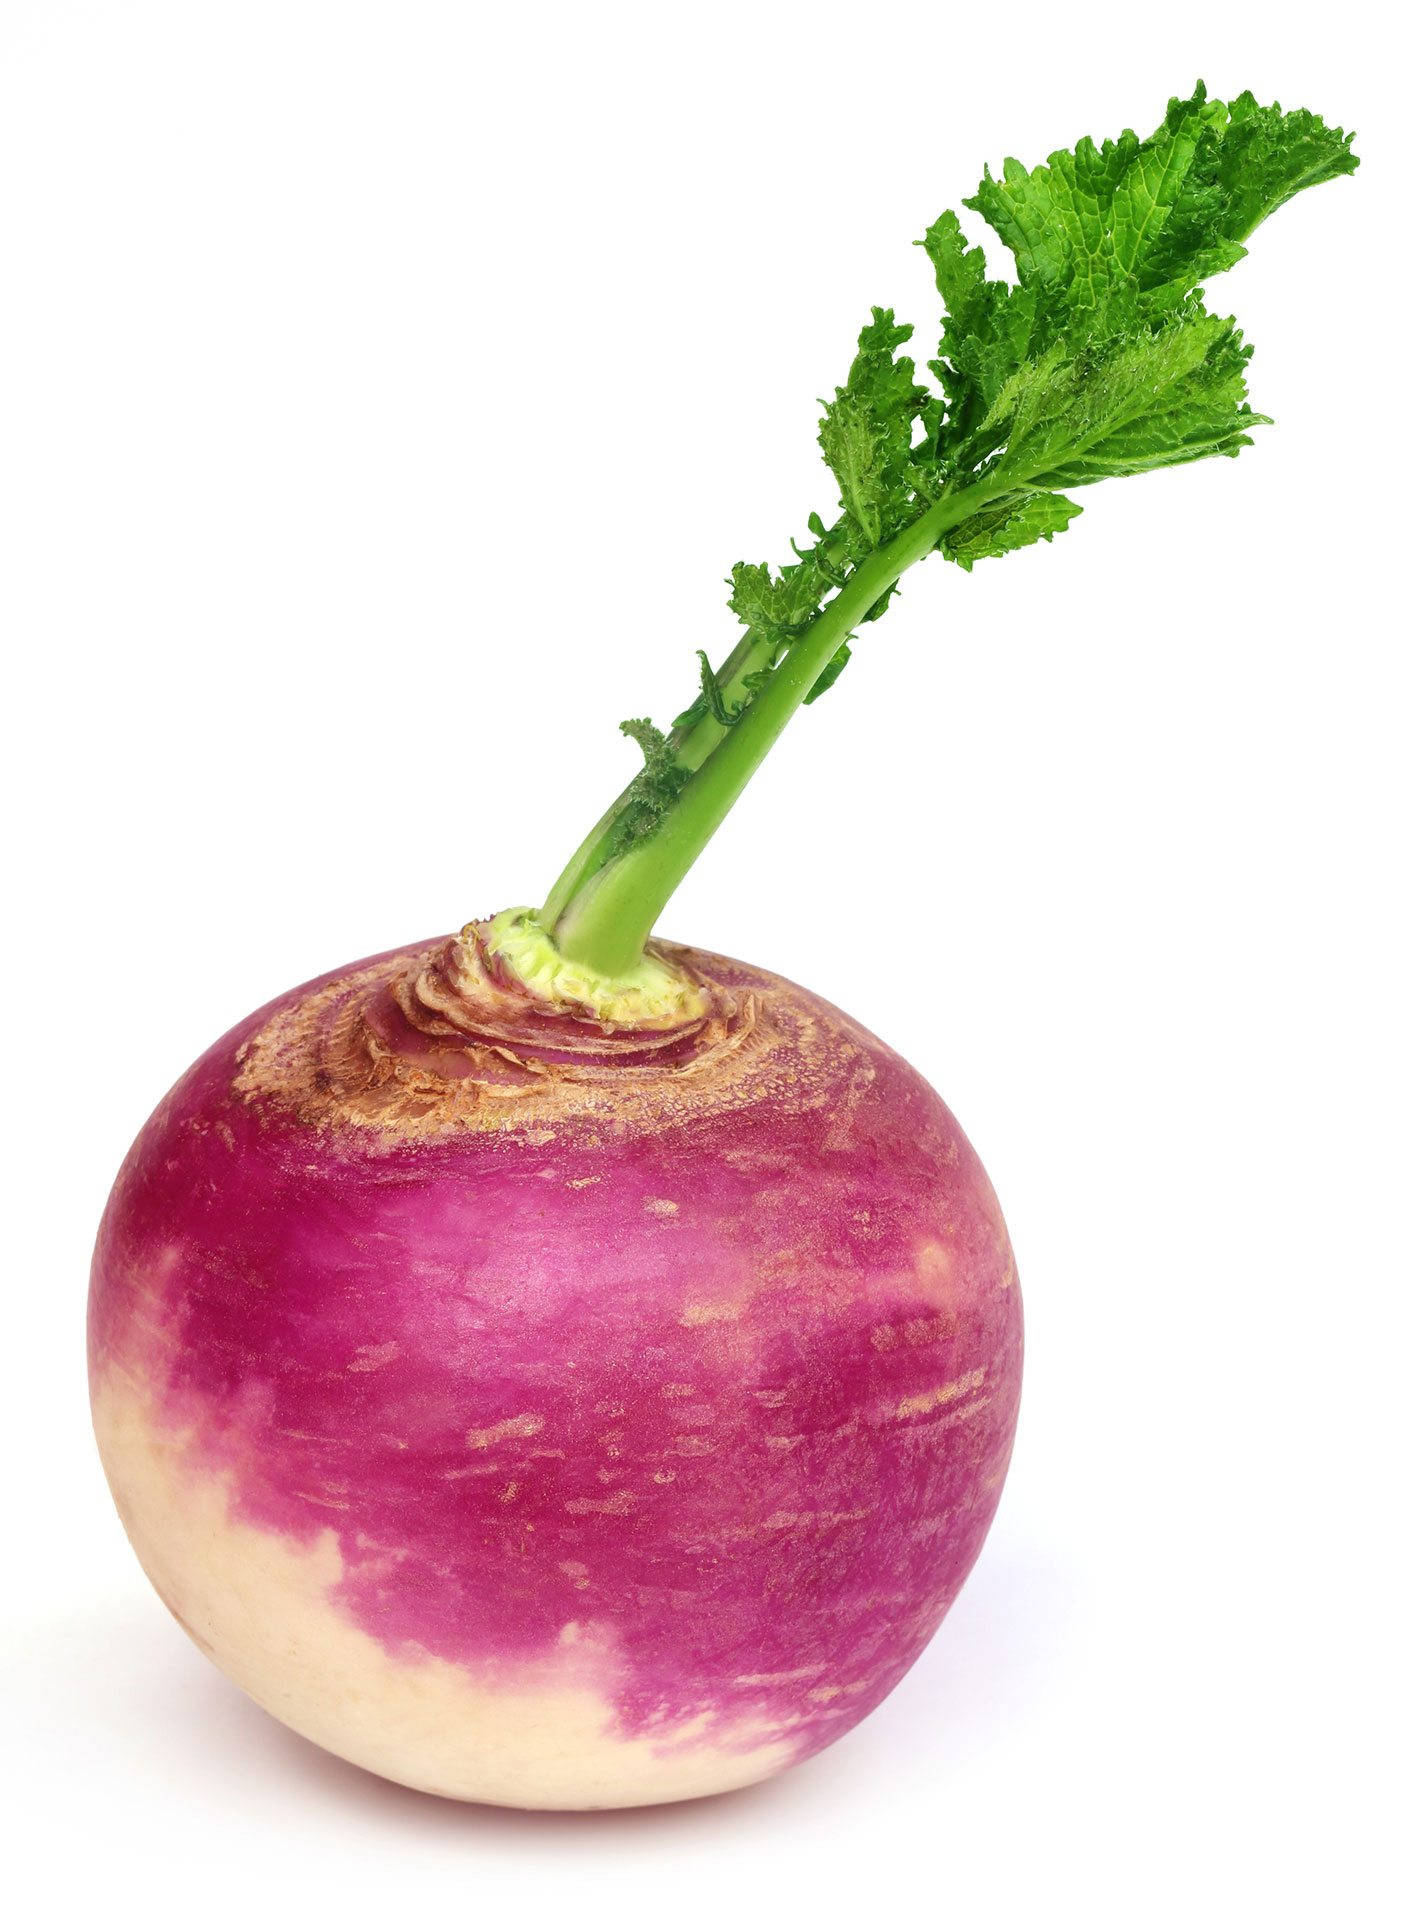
x: 868, y: 428
x: 655, y: 786
x: 987, y: 333
x: 1104, y: 236
x: 829, y: 675
x: 777, y: 605
x: 711, y: 692
x: 1156, y: 396
x: 1008, y: 527
x: 1267, y: 156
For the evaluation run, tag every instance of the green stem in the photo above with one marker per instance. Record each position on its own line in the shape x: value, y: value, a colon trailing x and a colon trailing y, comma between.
x: 600, y: 913
x: 692, y: 743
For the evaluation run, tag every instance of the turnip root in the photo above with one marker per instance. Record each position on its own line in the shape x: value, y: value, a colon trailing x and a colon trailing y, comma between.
x: 547, y: 1415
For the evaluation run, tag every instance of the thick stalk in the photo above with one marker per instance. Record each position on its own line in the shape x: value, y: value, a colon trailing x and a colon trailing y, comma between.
x: 606, y: 921
x: 692, y: 744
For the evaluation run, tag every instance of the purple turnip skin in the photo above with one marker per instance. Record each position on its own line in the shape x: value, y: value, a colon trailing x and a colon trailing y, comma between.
x: 551, y: 1414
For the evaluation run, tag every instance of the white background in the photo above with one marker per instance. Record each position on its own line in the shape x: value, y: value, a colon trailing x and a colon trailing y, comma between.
x: 384, y: 393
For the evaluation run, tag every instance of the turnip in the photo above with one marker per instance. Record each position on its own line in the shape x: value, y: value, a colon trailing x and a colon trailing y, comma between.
x: 554, y: 1367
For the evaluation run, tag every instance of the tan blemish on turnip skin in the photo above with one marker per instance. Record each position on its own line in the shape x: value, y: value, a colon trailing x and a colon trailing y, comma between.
x: 821, y: 1695
x: 916, y: 1332
x: 935, y: 1269
x: 815, y: 1518
x: 703, y: 1314
x: 911, y: 1406
x: 370, y: 1359
x: 263, y: 1608
x: 513, y: 1426
x: 965, y: 1411
x: 1009, y: 1263
x: 783, y: 1679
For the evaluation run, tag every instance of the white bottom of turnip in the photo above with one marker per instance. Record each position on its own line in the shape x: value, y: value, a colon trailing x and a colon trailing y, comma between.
x: 265, y: 1610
